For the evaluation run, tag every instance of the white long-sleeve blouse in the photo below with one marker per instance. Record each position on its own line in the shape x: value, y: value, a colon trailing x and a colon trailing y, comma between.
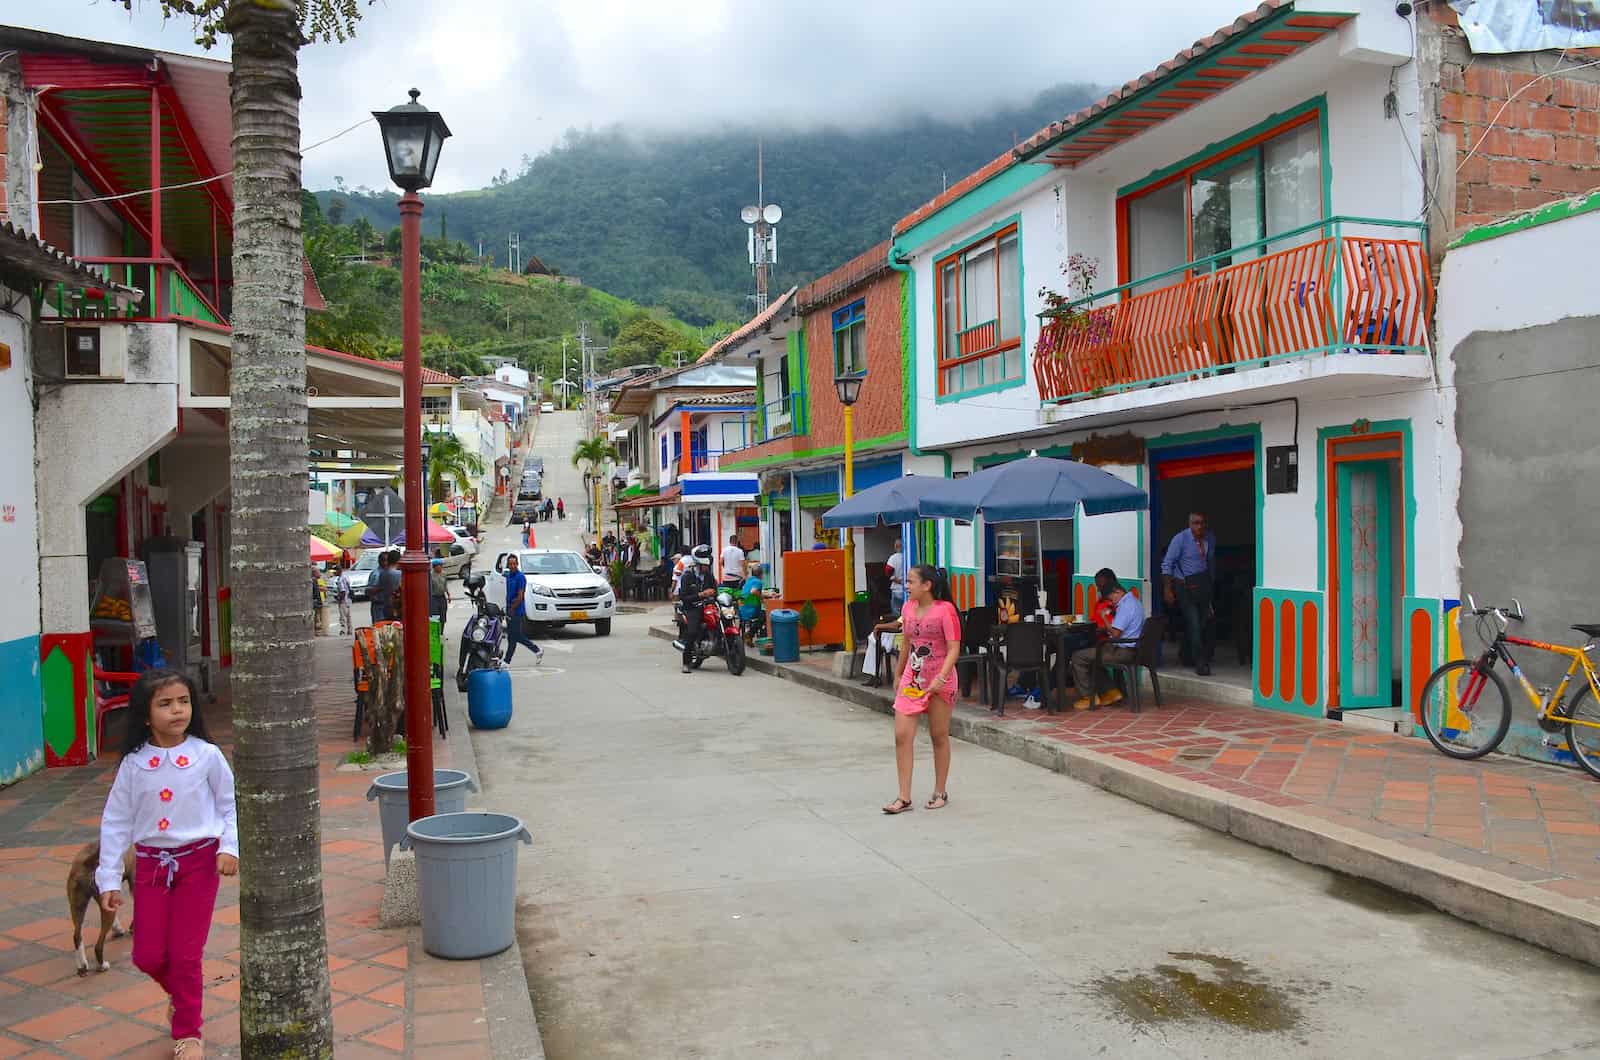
x: 167, y: 797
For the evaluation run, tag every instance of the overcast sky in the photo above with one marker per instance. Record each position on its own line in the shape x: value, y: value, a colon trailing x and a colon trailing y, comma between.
x: 511, y: 76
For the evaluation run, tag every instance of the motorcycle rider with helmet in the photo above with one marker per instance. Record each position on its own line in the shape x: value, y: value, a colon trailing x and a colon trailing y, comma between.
x: 693, y: 587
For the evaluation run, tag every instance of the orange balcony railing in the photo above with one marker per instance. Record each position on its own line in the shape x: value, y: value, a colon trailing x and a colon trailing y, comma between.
x: 1335, y: 290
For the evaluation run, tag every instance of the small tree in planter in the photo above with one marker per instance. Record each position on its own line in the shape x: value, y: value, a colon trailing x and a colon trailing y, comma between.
x: 387, y: 679
x: 808, y: 619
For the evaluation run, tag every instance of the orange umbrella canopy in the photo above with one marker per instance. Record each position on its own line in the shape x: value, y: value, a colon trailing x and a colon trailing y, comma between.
x: 322, y: 551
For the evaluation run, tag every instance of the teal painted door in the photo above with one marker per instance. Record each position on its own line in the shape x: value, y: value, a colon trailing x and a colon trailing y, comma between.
x: 1366, y: 553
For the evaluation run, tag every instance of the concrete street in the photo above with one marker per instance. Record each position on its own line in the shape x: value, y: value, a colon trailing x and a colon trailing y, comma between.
x: 711, y: 876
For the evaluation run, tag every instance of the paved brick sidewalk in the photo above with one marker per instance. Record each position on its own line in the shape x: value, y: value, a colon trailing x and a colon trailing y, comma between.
x: 390, y: 998
x: 1533, y: 823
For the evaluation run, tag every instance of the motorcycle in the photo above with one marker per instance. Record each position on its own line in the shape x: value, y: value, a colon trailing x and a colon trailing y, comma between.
x: 720, y: 633
x: 485, y: 638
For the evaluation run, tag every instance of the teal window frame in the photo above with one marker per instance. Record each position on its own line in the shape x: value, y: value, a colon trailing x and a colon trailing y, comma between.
x: 848, y: 323
x: 957, y: 254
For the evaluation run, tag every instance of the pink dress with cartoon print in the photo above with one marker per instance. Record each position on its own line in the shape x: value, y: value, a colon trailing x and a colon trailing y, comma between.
x: 927, y: 641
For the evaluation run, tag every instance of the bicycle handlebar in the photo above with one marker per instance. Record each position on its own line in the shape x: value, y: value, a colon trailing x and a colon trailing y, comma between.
x: 1514, y: 612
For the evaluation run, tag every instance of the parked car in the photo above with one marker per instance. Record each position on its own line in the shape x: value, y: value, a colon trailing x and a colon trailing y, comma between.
x: 548, y: 406
x: 533, y: 463
x: 562, y: 589
x: 457, y: 560
x: 522, y: 511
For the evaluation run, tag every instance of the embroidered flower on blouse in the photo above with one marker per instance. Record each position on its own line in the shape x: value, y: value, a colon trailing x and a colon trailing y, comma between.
x: 166, y: 794
x: 155, y: 760
x: 163, y: 824
x: 183, y: 761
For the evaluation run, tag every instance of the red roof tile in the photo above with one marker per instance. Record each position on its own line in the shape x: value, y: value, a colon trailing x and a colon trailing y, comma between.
x: 853, y: 273
x: 758, y: 321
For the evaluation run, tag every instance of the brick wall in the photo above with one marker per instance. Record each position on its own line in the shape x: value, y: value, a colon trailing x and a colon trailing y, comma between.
x: 1522, y: 137
x: 881, y: 408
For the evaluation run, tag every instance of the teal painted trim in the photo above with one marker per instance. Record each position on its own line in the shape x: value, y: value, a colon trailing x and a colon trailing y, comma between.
x: 1409, y: 494
x: 991, y: 388
x: 1143, y: 521
x: 1295, y: 704
x: 22, y: 710
x: 799, y: 382
x: 974, y: 203
x: 1383, y: 525
x: 1219, y: 147
x: 1546, y: 214
x: 978, y: 237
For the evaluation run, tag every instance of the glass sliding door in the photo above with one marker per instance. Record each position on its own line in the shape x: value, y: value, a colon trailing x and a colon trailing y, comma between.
x: 1291, y: 170
x: 1224, y: 206
x: 1157, y: 236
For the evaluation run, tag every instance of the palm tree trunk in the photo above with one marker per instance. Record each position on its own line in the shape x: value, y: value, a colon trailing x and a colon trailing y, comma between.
x: 285, y: 1008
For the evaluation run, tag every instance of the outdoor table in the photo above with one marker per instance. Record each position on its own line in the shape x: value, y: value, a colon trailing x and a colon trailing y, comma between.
x: 1064, y: 639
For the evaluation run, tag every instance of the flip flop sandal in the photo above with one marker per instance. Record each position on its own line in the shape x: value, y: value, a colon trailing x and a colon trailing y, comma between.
x: 899, y: 806
x: 938, y: 800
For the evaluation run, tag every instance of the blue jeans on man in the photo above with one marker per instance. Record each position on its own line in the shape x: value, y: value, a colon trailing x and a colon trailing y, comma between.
x: 1199, y: 619
x: 517, y: 632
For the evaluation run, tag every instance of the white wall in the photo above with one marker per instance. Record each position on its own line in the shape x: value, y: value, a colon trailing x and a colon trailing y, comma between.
x: 1003, y: 411
x: 19, y: 511
x: 1525, y: 279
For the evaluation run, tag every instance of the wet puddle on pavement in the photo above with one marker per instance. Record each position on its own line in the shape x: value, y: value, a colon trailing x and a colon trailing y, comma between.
x: 1201, y: 987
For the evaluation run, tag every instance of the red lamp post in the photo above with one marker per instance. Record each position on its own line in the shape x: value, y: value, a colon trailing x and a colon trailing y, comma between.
x: 412, y: 136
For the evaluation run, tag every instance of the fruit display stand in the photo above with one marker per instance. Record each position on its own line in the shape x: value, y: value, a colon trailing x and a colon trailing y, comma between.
x: 122, y: 617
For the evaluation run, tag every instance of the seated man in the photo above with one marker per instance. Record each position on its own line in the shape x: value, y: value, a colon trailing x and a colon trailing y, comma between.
x: 1127, y: 623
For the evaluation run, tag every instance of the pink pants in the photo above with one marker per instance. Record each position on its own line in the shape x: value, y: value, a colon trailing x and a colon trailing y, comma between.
x: 174, y: 896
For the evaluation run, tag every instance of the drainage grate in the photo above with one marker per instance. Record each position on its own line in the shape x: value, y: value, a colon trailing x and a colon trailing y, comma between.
x: 1197, y: 754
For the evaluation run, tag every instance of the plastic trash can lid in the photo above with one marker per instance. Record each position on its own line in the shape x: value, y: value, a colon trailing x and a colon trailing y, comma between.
x: 441, y: 778
x: 471, y: 826
x: 785, y: 613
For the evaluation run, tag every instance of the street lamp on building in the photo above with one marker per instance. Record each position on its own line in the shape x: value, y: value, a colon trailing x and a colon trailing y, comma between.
x: 848, y: 386
x: 412, y: 137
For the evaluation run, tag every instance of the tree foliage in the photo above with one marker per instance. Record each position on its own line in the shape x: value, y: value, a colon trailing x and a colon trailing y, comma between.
x: 449, y: 459
x: 657, y: 219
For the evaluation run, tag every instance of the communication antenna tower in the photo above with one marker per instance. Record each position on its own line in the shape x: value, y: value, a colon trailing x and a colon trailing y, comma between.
x: 762, y: 233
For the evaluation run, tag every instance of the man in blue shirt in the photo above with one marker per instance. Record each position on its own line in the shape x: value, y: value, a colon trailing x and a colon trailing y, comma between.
x: 1190, y: 572
x: 517, y: 611
x: 1126, y: 625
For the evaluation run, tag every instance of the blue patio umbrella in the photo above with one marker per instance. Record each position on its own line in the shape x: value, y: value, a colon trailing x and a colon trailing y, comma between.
x: 885, y: 504
x: 1033, y: 489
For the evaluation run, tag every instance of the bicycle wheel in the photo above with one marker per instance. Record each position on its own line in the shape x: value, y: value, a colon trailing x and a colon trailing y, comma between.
x: 1584, y: 739
x: 1465, y: 717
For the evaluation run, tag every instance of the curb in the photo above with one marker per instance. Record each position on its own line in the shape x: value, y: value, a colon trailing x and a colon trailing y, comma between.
x: 1522, y: 910
x: 508, y: 1004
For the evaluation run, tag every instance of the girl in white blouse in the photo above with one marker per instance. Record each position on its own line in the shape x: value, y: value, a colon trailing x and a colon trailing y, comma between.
x: 173, y: 801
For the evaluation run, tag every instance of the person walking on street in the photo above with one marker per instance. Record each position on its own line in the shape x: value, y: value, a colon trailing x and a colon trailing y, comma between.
x: 694, y: 585
x: 389, y: 578
x: 517, y: 611
x: 172, y: 802
x: 1189, y: 570
x: 925, y: 681
x: 1127, y: 622
x: 342, y: 594
x: 561, y: 508
x: 319, y: 612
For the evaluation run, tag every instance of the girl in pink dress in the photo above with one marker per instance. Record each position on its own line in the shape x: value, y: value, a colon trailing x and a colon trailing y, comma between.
x: 926, y: 681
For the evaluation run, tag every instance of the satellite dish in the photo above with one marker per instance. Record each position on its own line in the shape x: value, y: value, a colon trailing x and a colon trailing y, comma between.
x: 749, y: 215
x: 772, y: 214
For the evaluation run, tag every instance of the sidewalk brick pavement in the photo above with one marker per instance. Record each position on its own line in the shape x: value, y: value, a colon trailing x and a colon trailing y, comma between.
x: 390, y: 998
x: 1533, y: 823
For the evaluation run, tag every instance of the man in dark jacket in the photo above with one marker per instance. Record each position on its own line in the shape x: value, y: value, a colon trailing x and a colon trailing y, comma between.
x: 694, y: 586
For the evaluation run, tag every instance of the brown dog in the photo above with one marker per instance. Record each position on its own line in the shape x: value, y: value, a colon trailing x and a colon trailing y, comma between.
x: 82, y: 892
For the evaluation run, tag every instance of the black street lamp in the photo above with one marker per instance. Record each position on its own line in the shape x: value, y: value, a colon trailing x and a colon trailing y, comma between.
x: 412, y: 136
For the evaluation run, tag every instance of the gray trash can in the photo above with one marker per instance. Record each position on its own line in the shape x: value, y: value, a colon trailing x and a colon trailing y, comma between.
x: 450, y: 787
x: 466, y: 881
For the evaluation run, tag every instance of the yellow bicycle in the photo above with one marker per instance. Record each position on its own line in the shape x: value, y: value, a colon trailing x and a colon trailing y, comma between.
x: 1466, y: 710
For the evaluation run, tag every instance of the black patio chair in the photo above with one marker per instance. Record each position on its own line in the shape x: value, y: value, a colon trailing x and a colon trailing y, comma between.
x: 1146, y: 655
x: 977, y: 628
x: 1023, y: 648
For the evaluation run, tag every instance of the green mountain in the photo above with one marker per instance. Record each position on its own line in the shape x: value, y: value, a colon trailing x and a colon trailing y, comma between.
x: 471, y: 313
x: 656, y: 219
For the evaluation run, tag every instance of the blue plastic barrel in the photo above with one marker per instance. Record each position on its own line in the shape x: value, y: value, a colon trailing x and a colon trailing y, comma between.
x: 785, y: 635
x: 489, y: 698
